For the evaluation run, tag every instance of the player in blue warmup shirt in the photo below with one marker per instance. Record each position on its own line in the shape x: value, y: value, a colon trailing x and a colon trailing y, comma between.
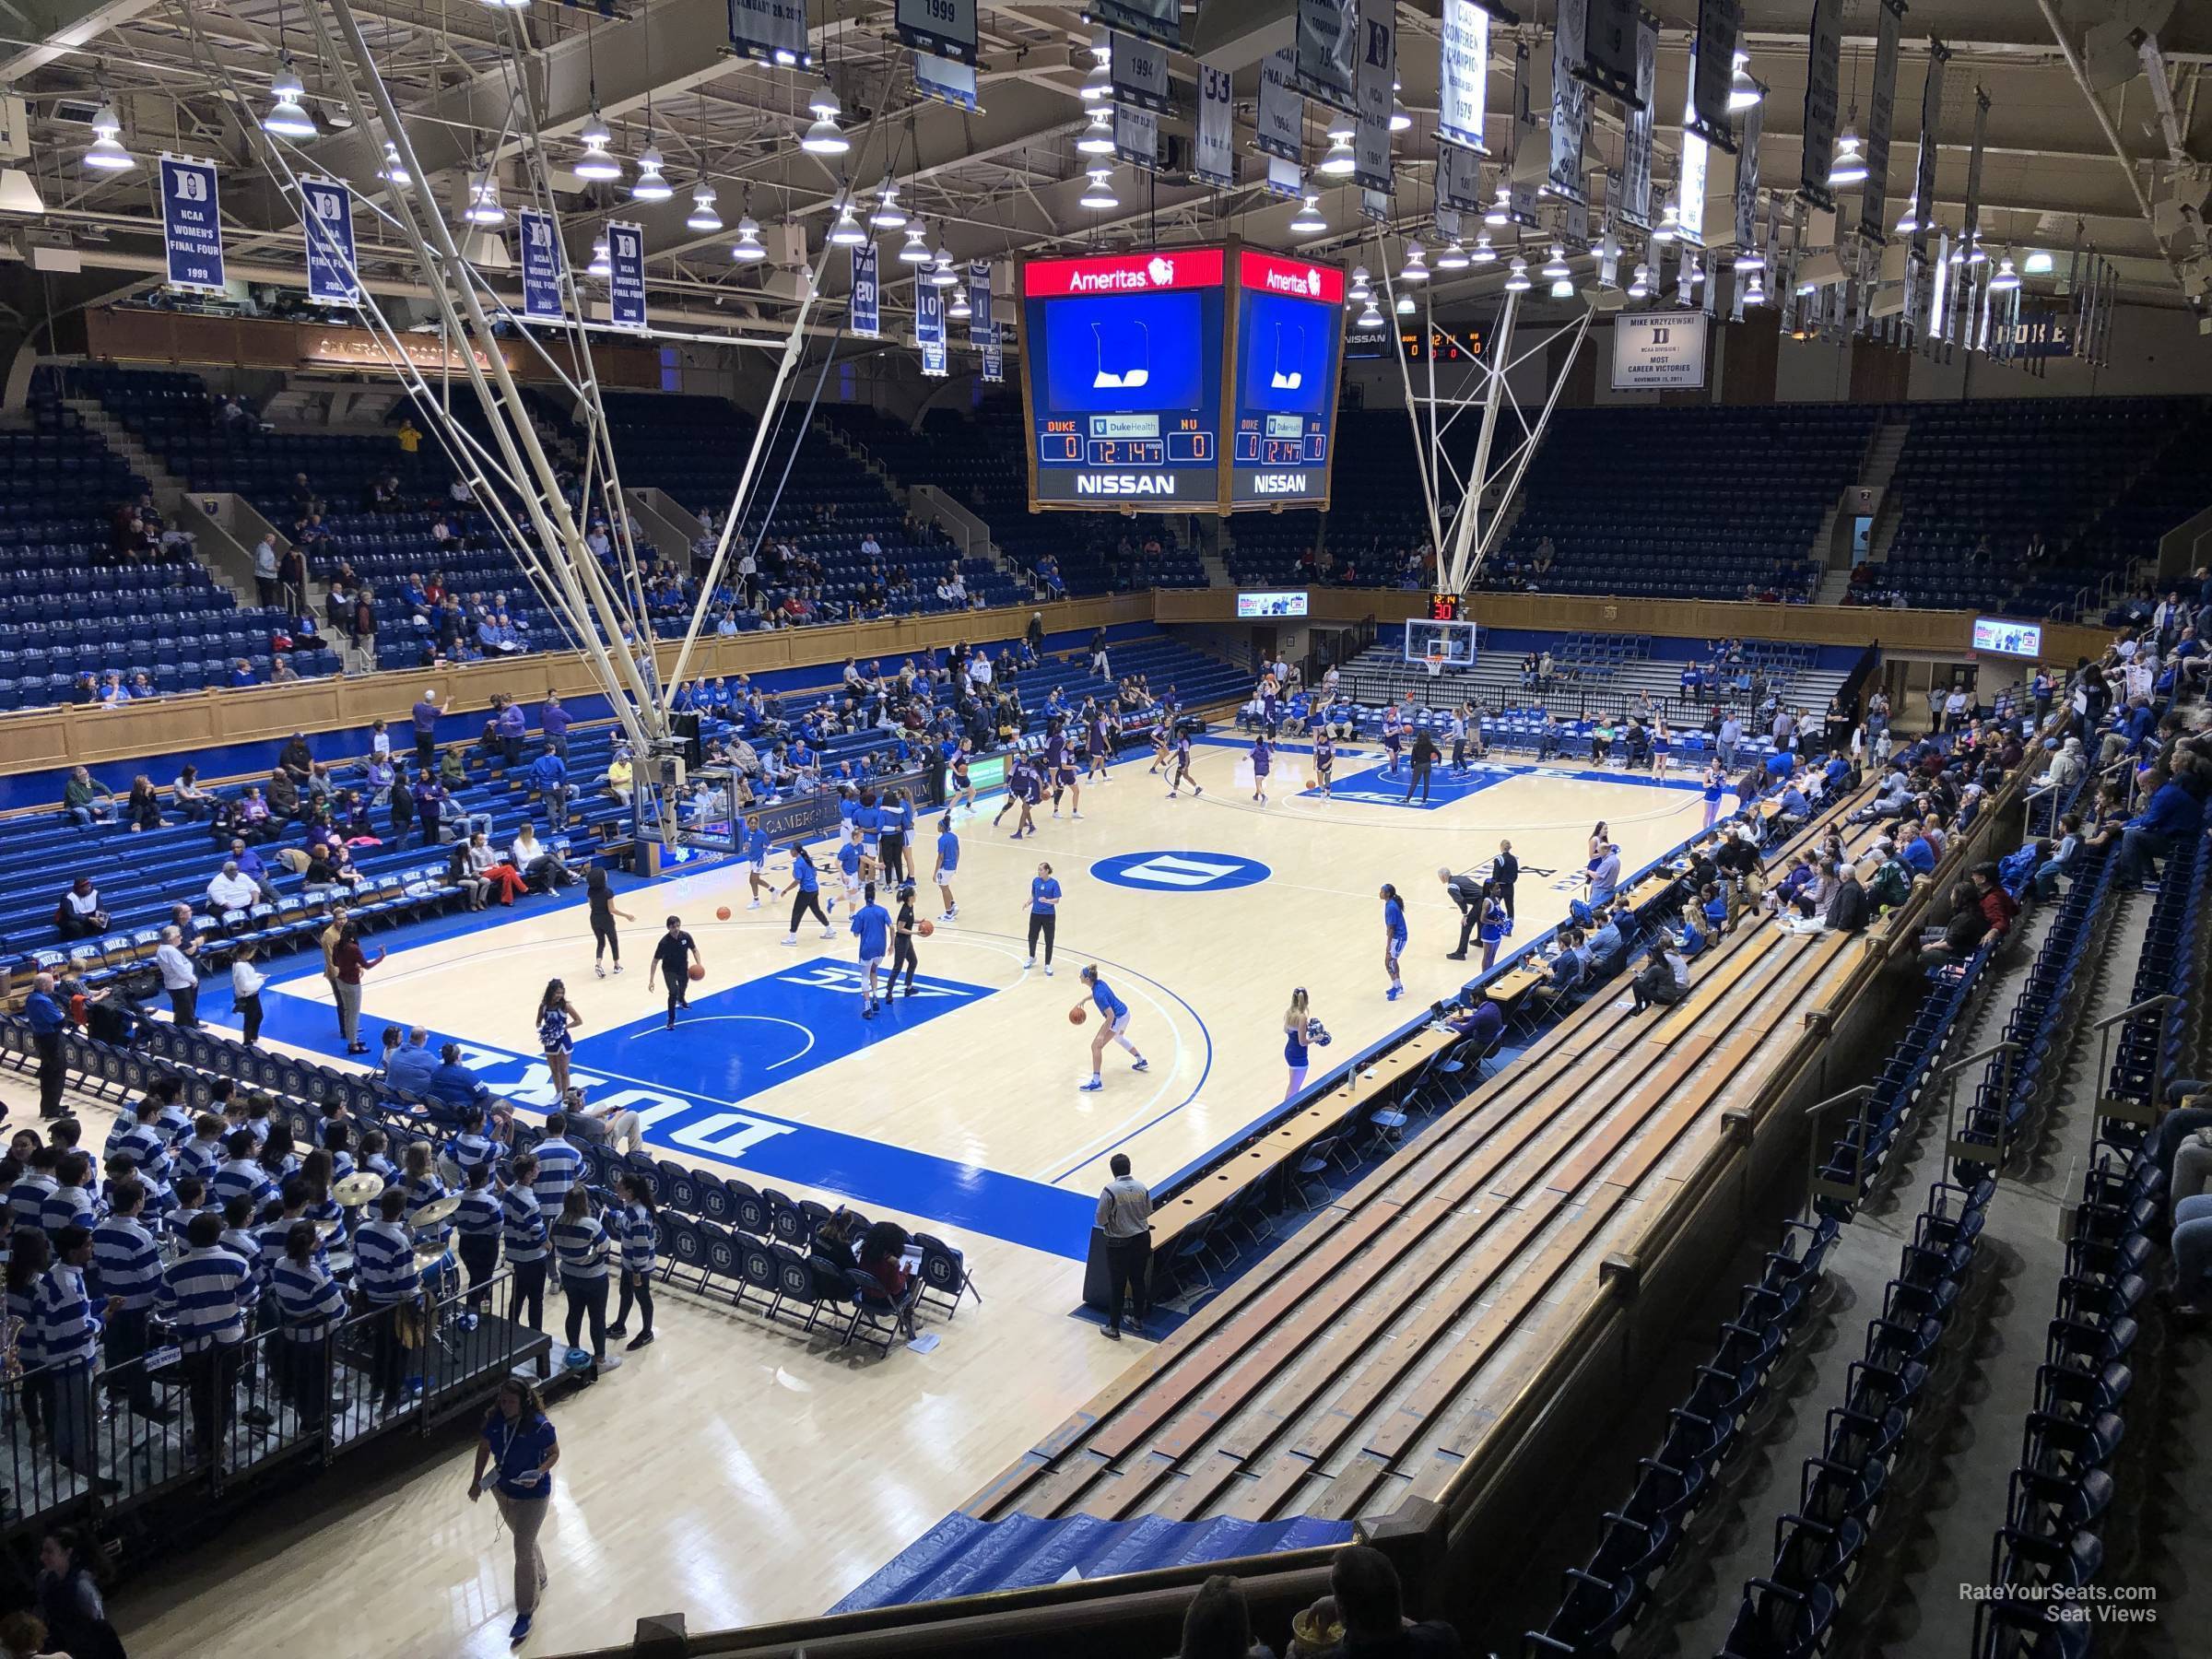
x: 949, y: 861
x: 871, y: 924
x: 1393, y: 939
x: 806, y: 882
x: 1114, y: 1026
x: 854, y: 864
x: 1045, y: 915
x: 756, y: 860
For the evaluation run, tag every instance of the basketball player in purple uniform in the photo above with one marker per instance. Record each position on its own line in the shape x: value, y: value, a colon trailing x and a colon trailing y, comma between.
x: 1261, y: 757
x: 1183, y: 768
x: 1060, y: 766
x: 1324, y: 761
x: 1393, y: 735
x: 1101, y: 744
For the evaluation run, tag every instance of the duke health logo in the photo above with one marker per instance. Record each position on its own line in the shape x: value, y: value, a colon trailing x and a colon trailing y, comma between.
x: 1181, y: 872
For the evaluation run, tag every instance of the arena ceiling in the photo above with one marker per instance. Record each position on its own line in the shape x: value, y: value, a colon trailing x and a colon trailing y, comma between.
x: 2089, y: 133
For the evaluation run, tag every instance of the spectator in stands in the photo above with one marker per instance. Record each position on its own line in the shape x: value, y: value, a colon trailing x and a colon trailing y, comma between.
x: 2173, y: 816
x: 1367, y: 1603
x: 79, y: 915
x: 1849, y: 909
x: 1665, y: 980
x: 1217, y: 1624
x: 549, y: 783
x: 231, y: 894
x: 282, y: 797
x: 72, y: 1615
x: 242, y: 675
x: 86, y: 800
x: 1604, y: 876
x: 180, y: 978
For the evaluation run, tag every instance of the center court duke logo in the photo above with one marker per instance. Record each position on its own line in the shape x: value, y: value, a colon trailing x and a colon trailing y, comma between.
x: 848, y: 978
x: 1181, y: 872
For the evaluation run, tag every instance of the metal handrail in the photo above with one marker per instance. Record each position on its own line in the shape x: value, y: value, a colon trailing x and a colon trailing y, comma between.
x: 2143, y: 1006
x: 1852, y: 1093
x: 2007, y: 1047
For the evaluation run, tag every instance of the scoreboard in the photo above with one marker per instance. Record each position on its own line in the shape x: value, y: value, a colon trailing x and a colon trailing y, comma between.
x: 1138, y: 368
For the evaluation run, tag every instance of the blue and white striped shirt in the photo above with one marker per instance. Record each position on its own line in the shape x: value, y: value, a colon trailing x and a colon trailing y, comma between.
x: 472, y: 1152
x: 203, y: 1296
x: 159, y: 1200
x: 143, y: 1144
x: 70, y: 1207
x: 27, y: 1198
x: 480, y: 1215
x: 583, y: 1247
x: 640, y: 1234
x: 525, y: 1225
x: 240, y: 1177
x: 200, y: 1158
x: 384, y: 1263
x: 126, y: 1262
x: 245, y: 1244
x: 560, y: 1167
x: 428, y: 1189
x: 175, y: 1124
x: 269, y: 1238
x: 309, y: 1299
x: 68, y: 1323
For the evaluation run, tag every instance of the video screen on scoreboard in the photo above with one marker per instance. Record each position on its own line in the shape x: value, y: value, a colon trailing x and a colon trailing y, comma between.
x: 1289, y: 343
x: 1124, y: 377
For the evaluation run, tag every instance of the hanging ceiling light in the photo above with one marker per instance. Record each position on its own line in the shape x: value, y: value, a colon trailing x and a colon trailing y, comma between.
x: 1501, y: 209
x: 597, y: 162
x: 1371, y: 317
x: 942, y: 274
x: 1415, y: 268
x: 1640, y: 285
x: 888, y: 215
x: 703, y: 216
x: 2007, y: 278
x: 1975, y: 252
x: 747, y: 250
x: 1748, y: 260
x: 1100, y: 81
x: 1697, y: 272
x: 1399, y: 119
x: 1452, y: 256
x: 1670, y: 222
x: 1743, y: 91
x: 649, y: 186
x: 2038, y: 262
x: 1339, y: 161
x: 288, y: 117
x: 1556, y: 266
x: 1755, y: 291
x: 1309, y: 221
x: 824, y: 138
x: 1563, y: 287
x: 1483, y: 254
x: 601, y: 264
x: 508, y: 4
x: 916, y: 251
x: 959, y: 310
x: 1098, y: 195
x: 1405, y: 305
x: 1360, y: 291
x: 484, y: 203
x: 1908, y: 221
x: 1096, y: 139
x: 395, y: 171
x: 846, y: 232
x: 106, y: 151
x: 1516, y: 275
x: 1850, y: 164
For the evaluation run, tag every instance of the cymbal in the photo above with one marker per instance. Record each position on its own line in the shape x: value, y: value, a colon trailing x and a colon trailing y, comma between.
x: 325, y: 1229
x: 437, y: 1210
x: 353, y: 1191
x: 428, y: 1254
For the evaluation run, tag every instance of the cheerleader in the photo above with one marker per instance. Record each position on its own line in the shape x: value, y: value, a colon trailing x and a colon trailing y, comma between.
x: 949, y: 861
x: 1324, y: 761
x: 1262, y: 758
x: 902, y: 942
x: 555, y: 1019
x: 1599, y: 838
x: 1183, y: 768
x: 638, y: 1231
x: 1297, y: 1028
x: 1493, y: 925
x: 1394, y: 736
x: 1659, y: 747
x: 1393, y: 939
x: 1715, y: 781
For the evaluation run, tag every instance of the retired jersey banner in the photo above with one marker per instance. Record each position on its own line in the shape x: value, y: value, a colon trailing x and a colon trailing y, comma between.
x: 1609, y: 48
x: 1458, y: 180
x: 983, y: 327
x: 1712, y: 71
x: 771, y: 30
x: 1641, y: 127
x: 1375, y: 87
x: 1747, y: 183
x: 541, y: 265
x: 1463, y: 74
x: 326, y: 214
x: 995, y: 364
x: 1923, y: 168
x: 929, y: 324
x: 1529, y: 161
x: 1823, y: 71
x: 1881, y: 124
x: 1570, y: 105
x: 1212, y: 159
x: 863, y: 312
x: 626, y: 279
x: 1328, y: 51
x: 192, y: 225
x: 1697, y: 159
x: 1282, y: 108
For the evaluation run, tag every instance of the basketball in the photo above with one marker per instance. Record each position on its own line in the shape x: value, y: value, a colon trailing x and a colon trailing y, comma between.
x: 1075, y: 1015
x: 722, y: 912
x: 698, y: 970
x: 925, y: 927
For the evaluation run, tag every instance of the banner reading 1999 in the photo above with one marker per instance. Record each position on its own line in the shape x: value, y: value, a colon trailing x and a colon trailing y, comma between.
x: 192, y: 225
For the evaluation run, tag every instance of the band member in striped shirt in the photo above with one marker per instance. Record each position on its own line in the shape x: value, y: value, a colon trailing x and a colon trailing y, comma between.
x: 202, y: 1154
x: 73, y: 1202
x: 240, y: 1175
x: 425, y: 1188
x: 312, y: 1307
x: 639, y: 1231
x: 68, y: 1328
x: 384, y: 1274
x: 478, y: 1223
x: 141, y: 1139
x: 472, y: 1149
x: 27, y: 1198
x: 127, y: 1264
x: 272, y: 1236
x: 559, y: 1165
x: 524, y: 1225
x: 581, y: 1242
x: 202, y: 1298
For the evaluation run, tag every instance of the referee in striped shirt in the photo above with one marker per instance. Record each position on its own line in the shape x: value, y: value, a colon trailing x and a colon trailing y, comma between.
x: 126, y: 1265
x: 202, y: 1298
x: 312, y: 1307
x: 386, y: 1276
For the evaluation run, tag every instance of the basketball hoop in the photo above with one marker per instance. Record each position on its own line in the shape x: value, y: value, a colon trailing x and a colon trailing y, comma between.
x: 1434, y: 659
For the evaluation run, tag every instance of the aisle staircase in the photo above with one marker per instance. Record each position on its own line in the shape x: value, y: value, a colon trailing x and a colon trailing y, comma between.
x: 228, y: 559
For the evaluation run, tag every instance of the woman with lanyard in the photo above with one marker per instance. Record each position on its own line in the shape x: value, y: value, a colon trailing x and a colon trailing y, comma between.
x: 807, y: 882
x: 519, y: 1450
x: 1044, y: 916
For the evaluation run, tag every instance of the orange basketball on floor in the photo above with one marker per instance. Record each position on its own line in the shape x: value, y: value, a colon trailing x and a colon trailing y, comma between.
x: 722, y: 912
x: 925, y: 927
x: 698, y: 970
x: 1075, y: 1015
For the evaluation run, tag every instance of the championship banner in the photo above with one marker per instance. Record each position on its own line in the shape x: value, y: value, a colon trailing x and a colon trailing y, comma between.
x: 1458, y: 180
x: 1527, y: 162
x: 1286, y: 180
x: 945, y: 28
x: 1213, y: 160
x: 1135, y: 136
x: 929, y: 324
x: 864, y: 308
x: 1570, y: 105
x: 1609, y: 48
x: 995, y: 364
x: 1924, y: 168
x: 541, y: 265
x: 1462, y: 75
x: 1374, y: 206
x: 1328, y: 51
x: 1375, y: 85
x: 1608, y: 235
x: 983, y: 327
x: 1690, y: 182
x: 1137, y: 73
x: 1642, y: 126
x: 326, y: 214
x: 1969, y: 232
x: 1712, y: 70
x: 626, y: 275
x: 947, y: 82
x: 1747, y: 181
x: 1282, y: 108
x: 192, y: 225
x: 1823, y: 71
x: 1882, y: 123
x: 1159, y: 21
x: 771, y: 30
